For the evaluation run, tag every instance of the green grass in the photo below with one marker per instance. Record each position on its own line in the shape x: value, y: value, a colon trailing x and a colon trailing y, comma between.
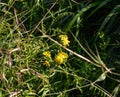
x: 88, y: 67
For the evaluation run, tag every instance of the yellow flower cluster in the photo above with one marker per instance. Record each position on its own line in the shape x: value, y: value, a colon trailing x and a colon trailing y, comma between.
x: 61, y: 57
x: 47, y: 54
x: 46, y: 63
x: 64, y: 39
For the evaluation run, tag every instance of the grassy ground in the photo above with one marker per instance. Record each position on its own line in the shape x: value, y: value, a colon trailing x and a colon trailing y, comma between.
x: 59, y: 48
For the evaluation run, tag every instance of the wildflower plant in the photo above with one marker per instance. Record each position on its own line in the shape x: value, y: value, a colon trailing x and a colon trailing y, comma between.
x: 34, y: 44
x: 47, y: 54
x: 61, y: 57
x: 47, y: 57
x: 46, y: 63
x: 64, y: 40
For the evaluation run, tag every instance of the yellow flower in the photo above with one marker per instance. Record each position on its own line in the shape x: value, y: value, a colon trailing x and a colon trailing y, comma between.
x: 59, y: 60
x: 64, y: 39
x: 47, y: 54
x: 46, y: 63
x: 61, y: 57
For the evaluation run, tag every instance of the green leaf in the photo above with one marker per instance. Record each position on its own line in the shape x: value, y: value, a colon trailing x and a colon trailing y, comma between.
x: 81, y: 12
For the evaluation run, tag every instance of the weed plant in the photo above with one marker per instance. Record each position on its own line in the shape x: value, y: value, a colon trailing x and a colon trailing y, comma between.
x: 59, y: 48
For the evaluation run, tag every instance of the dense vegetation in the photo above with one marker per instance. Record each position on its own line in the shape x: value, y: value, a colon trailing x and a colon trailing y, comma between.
x: 59, y: 48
